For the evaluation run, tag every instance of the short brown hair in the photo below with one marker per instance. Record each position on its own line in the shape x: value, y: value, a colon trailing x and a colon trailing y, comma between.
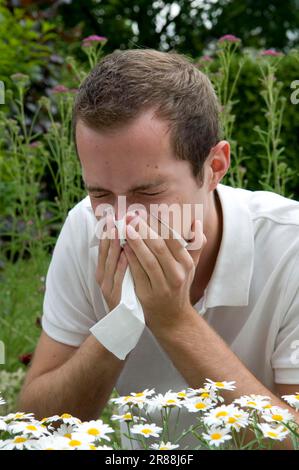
x: 126, y: 83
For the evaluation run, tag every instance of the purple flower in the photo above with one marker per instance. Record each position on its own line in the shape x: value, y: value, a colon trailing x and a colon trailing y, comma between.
x: 229, y: 38
x: 93, y: 39
x: 60, y: 89
x: 34, y: 144
x: 271, y: 52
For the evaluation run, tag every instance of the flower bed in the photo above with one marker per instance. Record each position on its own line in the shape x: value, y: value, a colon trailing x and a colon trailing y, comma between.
x: 217, y: 425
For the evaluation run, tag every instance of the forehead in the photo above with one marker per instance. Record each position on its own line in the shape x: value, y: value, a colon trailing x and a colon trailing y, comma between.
x: 145, y: 135
x: 128, y: 156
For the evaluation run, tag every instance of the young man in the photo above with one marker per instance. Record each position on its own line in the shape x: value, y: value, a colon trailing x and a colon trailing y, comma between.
x: 146, y: 127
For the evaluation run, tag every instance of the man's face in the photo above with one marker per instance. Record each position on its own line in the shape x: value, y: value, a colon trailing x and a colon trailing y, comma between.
x: 136, y: 162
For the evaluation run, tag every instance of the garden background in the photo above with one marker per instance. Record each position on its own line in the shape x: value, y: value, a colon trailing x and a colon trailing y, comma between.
x: 250, y: 50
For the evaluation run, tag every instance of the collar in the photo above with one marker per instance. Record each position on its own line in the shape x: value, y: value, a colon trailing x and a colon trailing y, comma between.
x: 229, y: 284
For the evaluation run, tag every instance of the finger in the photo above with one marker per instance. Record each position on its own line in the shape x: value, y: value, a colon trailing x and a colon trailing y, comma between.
x: 112, y: 260
x: 119, y: 274
x: 139, y: 275
x: 144, y: 258
x: 103, y: 249
x: 158, y: 247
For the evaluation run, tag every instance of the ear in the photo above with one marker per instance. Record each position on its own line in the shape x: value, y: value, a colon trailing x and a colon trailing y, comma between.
x: 218, y: 163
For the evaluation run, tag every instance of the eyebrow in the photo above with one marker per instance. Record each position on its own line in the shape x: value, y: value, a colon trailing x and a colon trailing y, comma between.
x: 152, y: 184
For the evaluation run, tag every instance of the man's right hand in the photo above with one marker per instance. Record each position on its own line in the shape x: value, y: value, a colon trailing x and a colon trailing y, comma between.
x: 112, y: 264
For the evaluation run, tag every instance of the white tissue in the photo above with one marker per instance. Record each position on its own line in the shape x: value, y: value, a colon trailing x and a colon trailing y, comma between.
x: 119, y: 331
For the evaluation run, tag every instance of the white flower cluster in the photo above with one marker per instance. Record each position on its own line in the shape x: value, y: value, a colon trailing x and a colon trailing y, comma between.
x: 218, y: 425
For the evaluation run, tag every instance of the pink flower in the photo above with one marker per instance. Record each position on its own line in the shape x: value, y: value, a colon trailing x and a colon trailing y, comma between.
x: 60, y: 89
x: 271, y: 52
x: 229, y: 38
x: 93, y: 39
x: 34, y: 144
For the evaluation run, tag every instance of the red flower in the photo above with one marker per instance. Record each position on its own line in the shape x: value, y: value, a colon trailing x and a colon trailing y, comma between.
x: 25, y: 358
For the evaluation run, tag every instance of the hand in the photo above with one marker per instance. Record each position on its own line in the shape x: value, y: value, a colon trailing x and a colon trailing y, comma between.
x: 112, y: 265
x: 163, y: 271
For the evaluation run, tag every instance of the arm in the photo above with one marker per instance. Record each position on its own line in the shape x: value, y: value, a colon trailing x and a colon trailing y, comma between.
x: 67, y: 379
x: 77, y: 380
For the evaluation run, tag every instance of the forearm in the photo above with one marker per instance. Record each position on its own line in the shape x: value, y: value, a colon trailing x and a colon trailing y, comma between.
x: 81, y: 386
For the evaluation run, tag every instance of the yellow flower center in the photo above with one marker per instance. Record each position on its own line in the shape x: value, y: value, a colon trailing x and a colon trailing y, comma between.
x: 68, y: 435
x: 141, y: 394
x: 200, y: 406
x: 74, y: 443
x: 231, y: 420
x: 277, y: 417
x: 221, y: 413
x: 93, y: 431
x: 163, y: 448
x: 127, y: 416
x: 146, y: 431
x: 65, y: 415
x: 205, y: 395
x: 19, y: 440
x: 92, y: 447
x: 267, y: 406
x: 170, y: 402
x: 272, y: 434
x: 216, y: 436
x: 219, y: 384
x: 297, y: 397
x: 30, y: 427
x: 251, y: 403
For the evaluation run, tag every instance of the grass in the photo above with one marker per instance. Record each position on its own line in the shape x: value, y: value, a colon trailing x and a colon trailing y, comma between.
x: 21, y: 293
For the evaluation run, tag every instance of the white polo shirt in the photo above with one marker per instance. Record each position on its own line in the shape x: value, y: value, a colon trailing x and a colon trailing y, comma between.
x: 251, y: 301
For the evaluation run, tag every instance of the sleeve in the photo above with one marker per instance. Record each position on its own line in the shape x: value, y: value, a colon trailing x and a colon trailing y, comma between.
x: 67, y: 311
x: 285, y: 358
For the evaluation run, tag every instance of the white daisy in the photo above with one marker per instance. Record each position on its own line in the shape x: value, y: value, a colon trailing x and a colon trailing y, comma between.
x: 134, y: 399
x: 18, y: 417
x: 228, y: 415
x: 146, y: 430
x: 18, y: 443
x: 216, y: 436
x: 273, y: 432
x: 205, y: 393
x: 197, y: 404
x: 54, y: 442
x: 163, y: 446
x: 221, y: 385
x: 3, y: 425
x: 65, y: 430
x: 277, y: 414
x: 66, y: 418
x: 168, y: 400
x: 95, y: 429
x: 81, y: 441
x: 33, y: 429
x: 257, y: 402
x: 292, y: 400
x: 2, y: 401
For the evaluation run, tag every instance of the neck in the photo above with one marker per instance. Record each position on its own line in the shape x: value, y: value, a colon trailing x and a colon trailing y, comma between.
x: 205, y: 267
